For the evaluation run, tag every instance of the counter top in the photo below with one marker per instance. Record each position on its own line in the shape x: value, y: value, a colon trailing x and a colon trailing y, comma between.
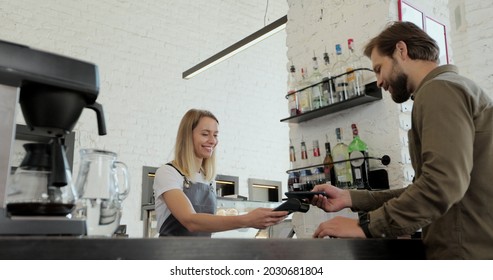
x: 180, y: 248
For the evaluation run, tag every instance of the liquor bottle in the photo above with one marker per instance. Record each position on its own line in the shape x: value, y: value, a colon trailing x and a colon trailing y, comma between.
x: 292, y: 153
x: 306, y: 183
x: 294, y: 181
x: 355, y: 79
x: 344, y: 178
x: 316, y: 149
x: 317, y: 176
x: 305, y: 102
x: 304, y: 153
x: 321, y: 176
x: 292, y: 92
x: 339, y: 69
x: 328, y: 165
x: 359, y: 168
x: 318, y: 99
x: 328, y: 88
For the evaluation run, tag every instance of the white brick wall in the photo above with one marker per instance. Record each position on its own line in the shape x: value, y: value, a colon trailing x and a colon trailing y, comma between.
x: 141, y: 49
x: 472, y: 42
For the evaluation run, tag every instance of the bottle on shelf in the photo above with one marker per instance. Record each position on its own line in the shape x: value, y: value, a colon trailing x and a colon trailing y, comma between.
x: 355, y: 79
x: 339, y: 69
x: 304, y: 153
x: 306, y: 183
x: 305, y: 95
x: 349, y: 77
x: 294, y: 109
x: 359, y: 168
x: 321, y: 176
x: 329, y: 165
x: 292, y: 154
x: 328, y: 88
x: 344, y: 178
x: 318, y: 99
x: 317, y: 176
x: 316, y: 149
x: 294, y: 181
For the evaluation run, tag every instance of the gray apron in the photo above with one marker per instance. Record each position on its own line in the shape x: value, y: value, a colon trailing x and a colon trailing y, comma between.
x: 203, y: 199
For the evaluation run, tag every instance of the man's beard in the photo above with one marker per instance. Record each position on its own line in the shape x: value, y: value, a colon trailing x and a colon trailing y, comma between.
x: 399, y: 94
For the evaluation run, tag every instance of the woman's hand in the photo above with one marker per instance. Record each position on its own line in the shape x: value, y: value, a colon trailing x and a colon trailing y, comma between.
x: 261, y: 218
x: 335, y: 200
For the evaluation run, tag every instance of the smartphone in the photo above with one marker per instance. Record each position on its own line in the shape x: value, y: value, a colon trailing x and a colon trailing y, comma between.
x: 293, y: 205
x: 303, y: 194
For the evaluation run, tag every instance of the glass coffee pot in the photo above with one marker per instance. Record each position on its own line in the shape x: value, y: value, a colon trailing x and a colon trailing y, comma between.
x: 32, y: 191
x: 103, y: 184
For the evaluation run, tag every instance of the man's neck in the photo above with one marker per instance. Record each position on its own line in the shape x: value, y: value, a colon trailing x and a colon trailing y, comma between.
x: 419, y: 70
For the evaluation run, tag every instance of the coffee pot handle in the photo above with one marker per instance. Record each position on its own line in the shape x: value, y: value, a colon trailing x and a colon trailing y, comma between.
x: 59, y: 164
x: 98, y: 108
x: 123, y: 187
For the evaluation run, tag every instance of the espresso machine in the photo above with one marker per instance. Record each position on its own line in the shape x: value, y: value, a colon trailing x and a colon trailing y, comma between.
x: 52, y: 91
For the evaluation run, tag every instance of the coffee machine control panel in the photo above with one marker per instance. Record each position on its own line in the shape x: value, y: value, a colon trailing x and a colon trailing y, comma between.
x: 20, y: 64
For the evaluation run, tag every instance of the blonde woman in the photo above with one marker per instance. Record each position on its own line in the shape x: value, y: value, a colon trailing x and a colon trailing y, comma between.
x: 185, y: 198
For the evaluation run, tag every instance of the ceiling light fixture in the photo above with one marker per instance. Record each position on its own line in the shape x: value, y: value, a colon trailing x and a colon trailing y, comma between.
x: 237, y: 47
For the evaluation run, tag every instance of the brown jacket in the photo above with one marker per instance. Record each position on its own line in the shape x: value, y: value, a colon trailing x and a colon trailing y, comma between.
x: 451, y: 148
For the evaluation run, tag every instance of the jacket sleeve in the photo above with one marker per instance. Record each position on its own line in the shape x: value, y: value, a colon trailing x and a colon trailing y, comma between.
x: 443, y: 124
x: 364, y: 200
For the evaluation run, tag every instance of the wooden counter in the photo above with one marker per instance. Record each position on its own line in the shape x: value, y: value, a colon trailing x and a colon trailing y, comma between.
x: 70, y: 248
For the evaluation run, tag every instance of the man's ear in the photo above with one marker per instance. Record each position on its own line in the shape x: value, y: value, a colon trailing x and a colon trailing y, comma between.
x: 401, y: 49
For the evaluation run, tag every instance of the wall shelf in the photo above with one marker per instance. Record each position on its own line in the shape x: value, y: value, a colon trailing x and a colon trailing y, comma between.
x: 372, y: 93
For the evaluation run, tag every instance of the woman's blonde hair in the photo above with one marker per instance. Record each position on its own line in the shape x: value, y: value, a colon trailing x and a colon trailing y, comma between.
x: 184, y: 149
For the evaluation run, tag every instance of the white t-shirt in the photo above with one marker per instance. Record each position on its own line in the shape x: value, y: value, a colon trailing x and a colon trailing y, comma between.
x: 167, y: 178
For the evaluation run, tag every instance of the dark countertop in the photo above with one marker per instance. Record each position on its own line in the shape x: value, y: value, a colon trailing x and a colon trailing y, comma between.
x: 67, y: 248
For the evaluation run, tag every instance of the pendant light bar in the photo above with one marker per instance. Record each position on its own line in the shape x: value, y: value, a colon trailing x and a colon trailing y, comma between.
x: 237, y: 47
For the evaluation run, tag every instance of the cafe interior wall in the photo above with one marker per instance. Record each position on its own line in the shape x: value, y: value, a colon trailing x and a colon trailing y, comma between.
x: 471, y: 30
x: 141, y: 49
x: 316, y: 26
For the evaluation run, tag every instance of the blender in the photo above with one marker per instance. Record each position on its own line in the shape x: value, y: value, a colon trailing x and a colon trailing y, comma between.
x: 52, y: 91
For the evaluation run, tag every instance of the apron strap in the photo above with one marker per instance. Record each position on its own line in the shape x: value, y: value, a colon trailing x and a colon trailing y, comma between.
x: 170, y: 164
x: 186, y: 181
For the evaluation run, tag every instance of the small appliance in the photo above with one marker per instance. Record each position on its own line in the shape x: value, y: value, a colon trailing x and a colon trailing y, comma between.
x: 52, y: 91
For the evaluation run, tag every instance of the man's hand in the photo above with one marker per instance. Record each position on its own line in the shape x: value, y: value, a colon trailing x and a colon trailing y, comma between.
x: 335, y: 200
x: 339, y: 227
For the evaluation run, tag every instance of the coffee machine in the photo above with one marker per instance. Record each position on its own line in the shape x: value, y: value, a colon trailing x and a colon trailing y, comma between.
x: 52, y: 91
